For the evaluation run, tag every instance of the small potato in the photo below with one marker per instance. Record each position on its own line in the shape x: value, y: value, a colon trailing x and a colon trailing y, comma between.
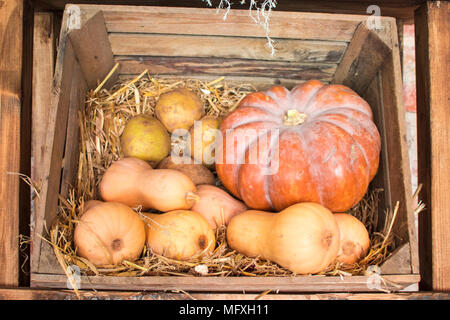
x: 178, y: 109
x: 197, y: 172
x: 145, y: 138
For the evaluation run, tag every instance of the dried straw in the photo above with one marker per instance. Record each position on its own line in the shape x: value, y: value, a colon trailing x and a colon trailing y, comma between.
x: 101, y: 123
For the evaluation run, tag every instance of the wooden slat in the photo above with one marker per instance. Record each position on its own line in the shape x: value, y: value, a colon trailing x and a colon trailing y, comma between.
x: 93, y: 50
x: 231, y: 284
x: 205, y: 21
x: 48, y: 294
x: 10, y: 135
x: 383, y: 93
x: 397, y: 150
x: 305, y: 51
x: 432, y: 25
x: 54, y: 143
x: 224, y: 67
x: 72, y: 151
x: 363, y: 58
x: 43, y: 65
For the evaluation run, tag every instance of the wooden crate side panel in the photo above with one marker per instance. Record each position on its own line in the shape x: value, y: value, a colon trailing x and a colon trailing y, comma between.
x: 313, y: 26
x: 234, y: 284
x: 53, y: 145
x: 72, y: 150
x: 399, y: 262
x: 93, y: 50
x: 215, y: 67
x: 69, y: 163
x: 397, y: 150
x: 43, y: 68
x: 363, y: 58
x: 292, y: 50
x: 383, y: 93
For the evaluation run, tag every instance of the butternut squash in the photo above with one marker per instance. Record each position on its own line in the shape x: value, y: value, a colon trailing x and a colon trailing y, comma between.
x: 216, y: 205
x: 179, y: 234
x: 133, y: 182
x: 355, y: 241
x: 303, y: 238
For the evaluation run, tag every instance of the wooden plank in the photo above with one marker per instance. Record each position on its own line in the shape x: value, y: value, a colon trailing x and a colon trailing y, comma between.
x: 48, y: 294
x: 398, y: 262
x: 391, y: 8
x: 72, y: 151
x: 232, y: 284
x: 161, y: 66
x: 433, y: 124
x: 397, y: 150
x: 93, y: 50
x: 54, y: 142
x: 384, y: 95
x: 205, y: 21
x: 305, y: 51
x: 43, y: 65
x: 364, y: 56
x: 11, y: 13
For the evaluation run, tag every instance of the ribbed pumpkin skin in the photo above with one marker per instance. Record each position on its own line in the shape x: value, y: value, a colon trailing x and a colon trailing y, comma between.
x: 329, y: 159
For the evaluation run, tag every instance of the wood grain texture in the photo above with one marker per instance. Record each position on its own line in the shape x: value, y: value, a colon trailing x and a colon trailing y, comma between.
x: 432, y: 25
x: 384, y: 94
x: 49, y: 294
x: 11, y: 13
x: 54, y: 143
x: 397, y: 150
x: 297, y: 25
x: 43, y: 66
x: 231, y: 284
x: 305, y: 51
x: 363, y: 58
x: 93, y: 50
x: 161, y: 66
x: 72, y: 147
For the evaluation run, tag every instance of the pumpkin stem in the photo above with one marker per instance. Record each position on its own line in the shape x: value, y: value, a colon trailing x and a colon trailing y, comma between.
x: 294, y: 118
x: 192, y: 197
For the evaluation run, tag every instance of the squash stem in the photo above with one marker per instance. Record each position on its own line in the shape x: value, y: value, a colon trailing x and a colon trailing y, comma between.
x: 192, y: 197
x: 293, y: 118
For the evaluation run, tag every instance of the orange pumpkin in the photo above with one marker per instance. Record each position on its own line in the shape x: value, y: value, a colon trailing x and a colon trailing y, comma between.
x: 322, y: 146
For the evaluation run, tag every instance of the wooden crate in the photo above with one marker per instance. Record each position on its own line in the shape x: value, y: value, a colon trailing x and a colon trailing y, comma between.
x: 334, y: 48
